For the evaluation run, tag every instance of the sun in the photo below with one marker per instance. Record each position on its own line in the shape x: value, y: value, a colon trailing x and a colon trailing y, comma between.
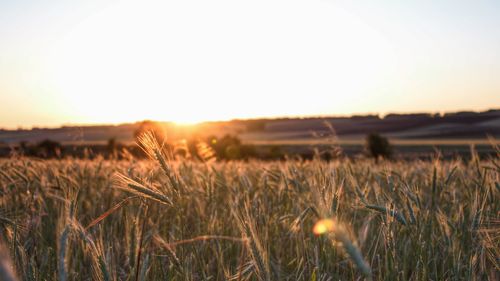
x: 189, y: 122
x: 202, y: 61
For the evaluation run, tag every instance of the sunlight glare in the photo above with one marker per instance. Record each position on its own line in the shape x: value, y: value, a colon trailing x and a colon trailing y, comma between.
x: 192, y: 61
x: 323, y: 226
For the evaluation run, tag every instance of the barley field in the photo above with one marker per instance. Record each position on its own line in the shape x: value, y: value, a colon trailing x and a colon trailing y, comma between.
x: 164, y: 219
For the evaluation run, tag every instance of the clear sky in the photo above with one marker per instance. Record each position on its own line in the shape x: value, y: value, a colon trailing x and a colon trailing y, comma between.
x: 107, y: 61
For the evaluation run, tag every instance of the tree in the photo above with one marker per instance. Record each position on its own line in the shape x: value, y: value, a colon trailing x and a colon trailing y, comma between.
x: 378, y: 146
x: 48, y: 149
x: 230, y: 147
x: 150, y: 126
x: 112, y: 148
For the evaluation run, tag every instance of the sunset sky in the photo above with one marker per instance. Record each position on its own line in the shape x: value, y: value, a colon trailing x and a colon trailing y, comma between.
x: 103, y: 61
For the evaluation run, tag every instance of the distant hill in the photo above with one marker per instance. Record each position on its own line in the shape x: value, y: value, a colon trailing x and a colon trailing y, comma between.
x: 459, y: 125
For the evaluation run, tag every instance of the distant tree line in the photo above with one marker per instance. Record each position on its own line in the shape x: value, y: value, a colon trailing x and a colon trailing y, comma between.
x: 44, y: 149
x: 227, y: 147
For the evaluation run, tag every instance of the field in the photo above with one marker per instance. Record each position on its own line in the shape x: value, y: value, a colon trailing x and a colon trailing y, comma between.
x: 162, y: 219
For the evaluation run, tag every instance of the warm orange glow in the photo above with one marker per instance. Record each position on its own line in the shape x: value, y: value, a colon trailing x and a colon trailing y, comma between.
x: 193, y: 61
x: 323, y: 226
x: 162, y: 66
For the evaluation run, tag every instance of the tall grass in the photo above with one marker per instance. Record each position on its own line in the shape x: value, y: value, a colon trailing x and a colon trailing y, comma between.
x: 173, y: 220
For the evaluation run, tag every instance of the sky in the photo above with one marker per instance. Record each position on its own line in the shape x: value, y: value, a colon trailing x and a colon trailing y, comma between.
x: 109, y: 61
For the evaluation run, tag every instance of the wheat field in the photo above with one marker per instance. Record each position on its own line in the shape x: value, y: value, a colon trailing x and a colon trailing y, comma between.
x: 164, y: 219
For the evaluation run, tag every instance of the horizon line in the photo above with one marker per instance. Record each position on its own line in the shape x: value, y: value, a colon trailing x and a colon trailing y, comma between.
x: 380, y: 115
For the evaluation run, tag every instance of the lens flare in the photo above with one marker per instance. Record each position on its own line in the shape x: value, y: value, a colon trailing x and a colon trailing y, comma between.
x: 323, y: 226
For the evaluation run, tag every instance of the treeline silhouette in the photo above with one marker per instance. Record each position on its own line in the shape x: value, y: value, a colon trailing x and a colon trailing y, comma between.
x: 194, y: 145
x: 228, y: 147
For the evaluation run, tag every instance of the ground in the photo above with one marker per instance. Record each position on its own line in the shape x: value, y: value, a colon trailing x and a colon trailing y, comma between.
x: 169, y: 220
